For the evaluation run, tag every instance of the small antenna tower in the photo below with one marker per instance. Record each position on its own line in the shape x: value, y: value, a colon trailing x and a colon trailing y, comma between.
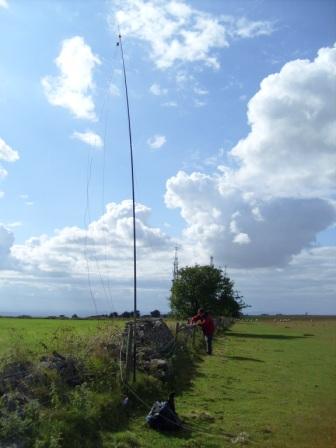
x: 212, y: 261
x: 119, y: 43
x: 175, y: 268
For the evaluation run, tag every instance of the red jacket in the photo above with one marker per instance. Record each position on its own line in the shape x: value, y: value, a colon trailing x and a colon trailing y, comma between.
x: 208, y: 326
x: 196, y: 318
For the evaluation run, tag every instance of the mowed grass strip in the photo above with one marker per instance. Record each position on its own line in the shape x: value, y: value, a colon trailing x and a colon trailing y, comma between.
x: 268, y: 384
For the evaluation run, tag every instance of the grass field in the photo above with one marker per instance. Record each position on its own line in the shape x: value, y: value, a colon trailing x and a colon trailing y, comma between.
x: 31, y: 333
x: 268, y: 385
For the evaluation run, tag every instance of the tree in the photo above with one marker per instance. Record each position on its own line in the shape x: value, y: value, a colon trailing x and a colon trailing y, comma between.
x: 129, y: 314
x: 205, y: 287
x: 155, y: 313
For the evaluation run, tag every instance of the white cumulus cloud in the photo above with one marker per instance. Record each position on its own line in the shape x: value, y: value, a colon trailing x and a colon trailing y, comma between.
x: 280, y: 196
x: 7, y: 153
x: 225, y: 223
x: 106, y: 245
x: 156, y: 141
x: 58, y: 266
x: 244, y: 28
x: 291, y: 148
x: 176, y: 31
x: 73, y: 87
x: 89, y: 137
x: 241, y: 238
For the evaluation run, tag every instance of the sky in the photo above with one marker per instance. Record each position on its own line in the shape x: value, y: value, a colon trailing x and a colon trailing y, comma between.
x: 233, y: 113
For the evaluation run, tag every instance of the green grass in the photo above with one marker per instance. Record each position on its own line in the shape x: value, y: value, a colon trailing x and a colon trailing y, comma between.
x: 268, y: 385
x: 33, y: 332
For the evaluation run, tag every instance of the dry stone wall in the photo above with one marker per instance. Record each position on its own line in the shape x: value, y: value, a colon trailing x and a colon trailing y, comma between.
x: 154, y: 343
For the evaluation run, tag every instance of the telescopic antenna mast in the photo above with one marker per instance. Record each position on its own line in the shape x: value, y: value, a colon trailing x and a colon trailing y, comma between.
x: 133, y: 208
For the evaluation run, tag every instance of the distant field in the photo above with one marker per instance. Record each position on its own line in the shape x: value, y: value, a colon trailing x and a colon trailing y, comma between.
x: 31, y: 333
x: 268, y: 385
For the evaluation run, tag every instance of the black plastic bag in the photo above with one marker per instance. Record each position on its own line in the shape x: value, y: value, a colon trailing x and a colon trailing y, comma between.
x: 163, y: 418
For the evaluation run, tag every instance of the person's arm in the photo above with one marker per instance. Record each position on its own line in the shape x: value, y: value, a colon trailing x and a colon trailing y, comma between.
x: 194, y: 319
x: 201, y: 322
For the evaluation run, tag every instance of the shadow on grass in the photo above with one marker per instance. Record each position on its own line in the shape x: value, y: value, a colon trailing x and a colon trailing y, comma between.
x: 243, y: 358
x: 284, y: 337
x: 185, y: 366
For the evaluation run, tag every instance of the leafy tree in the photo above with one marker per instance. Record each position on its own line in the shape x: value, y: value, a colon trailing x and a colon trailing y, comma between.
x: 155, y: 313
x: 129, y: 314
x: 205, y: 287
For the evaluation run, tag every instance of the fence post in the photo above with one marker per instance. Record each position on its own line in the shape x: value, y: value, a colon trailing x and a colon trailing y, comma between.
x: 129, y: 347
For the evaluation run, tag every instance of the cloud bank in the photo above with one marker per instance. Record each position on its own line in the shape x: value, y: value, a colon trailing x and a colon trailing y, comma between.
x: 106, y: 244
x: 281, y: 193
x: 77, y: 268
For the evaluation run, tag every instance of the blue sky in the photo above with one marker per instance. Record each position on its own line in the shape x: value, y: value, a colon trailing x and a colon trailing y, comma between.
x: 229, y: 161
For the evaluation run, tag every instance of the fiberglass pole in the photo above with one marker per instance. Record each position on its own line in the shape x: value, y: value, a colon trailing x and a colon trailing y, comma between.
x: 133, y: 203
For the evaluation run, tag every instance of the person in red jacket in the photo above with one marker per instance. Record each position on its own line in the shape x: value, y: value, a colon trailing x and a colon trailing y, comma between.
x: 208, y: 327
x: 198, y: 317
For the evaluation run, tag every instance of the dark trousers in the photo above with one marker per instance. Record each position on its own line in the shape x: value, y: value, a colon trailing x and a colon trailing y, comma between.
x: 208, y: 343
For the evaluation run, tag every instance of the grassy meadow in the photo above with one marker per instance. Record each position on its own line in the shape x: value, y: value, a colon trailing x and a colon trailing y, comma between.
x: 269, y: 384
x: 34, y: 334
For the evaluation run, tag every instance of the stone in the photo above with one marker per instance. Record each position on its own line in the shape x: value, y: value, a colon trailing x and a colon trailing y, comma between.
x: 67, y: 368
x: 15, y: 402
x: 154, y: 342
x: 12, y: 374
x: 242, y: 437
x: 160, y: 368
